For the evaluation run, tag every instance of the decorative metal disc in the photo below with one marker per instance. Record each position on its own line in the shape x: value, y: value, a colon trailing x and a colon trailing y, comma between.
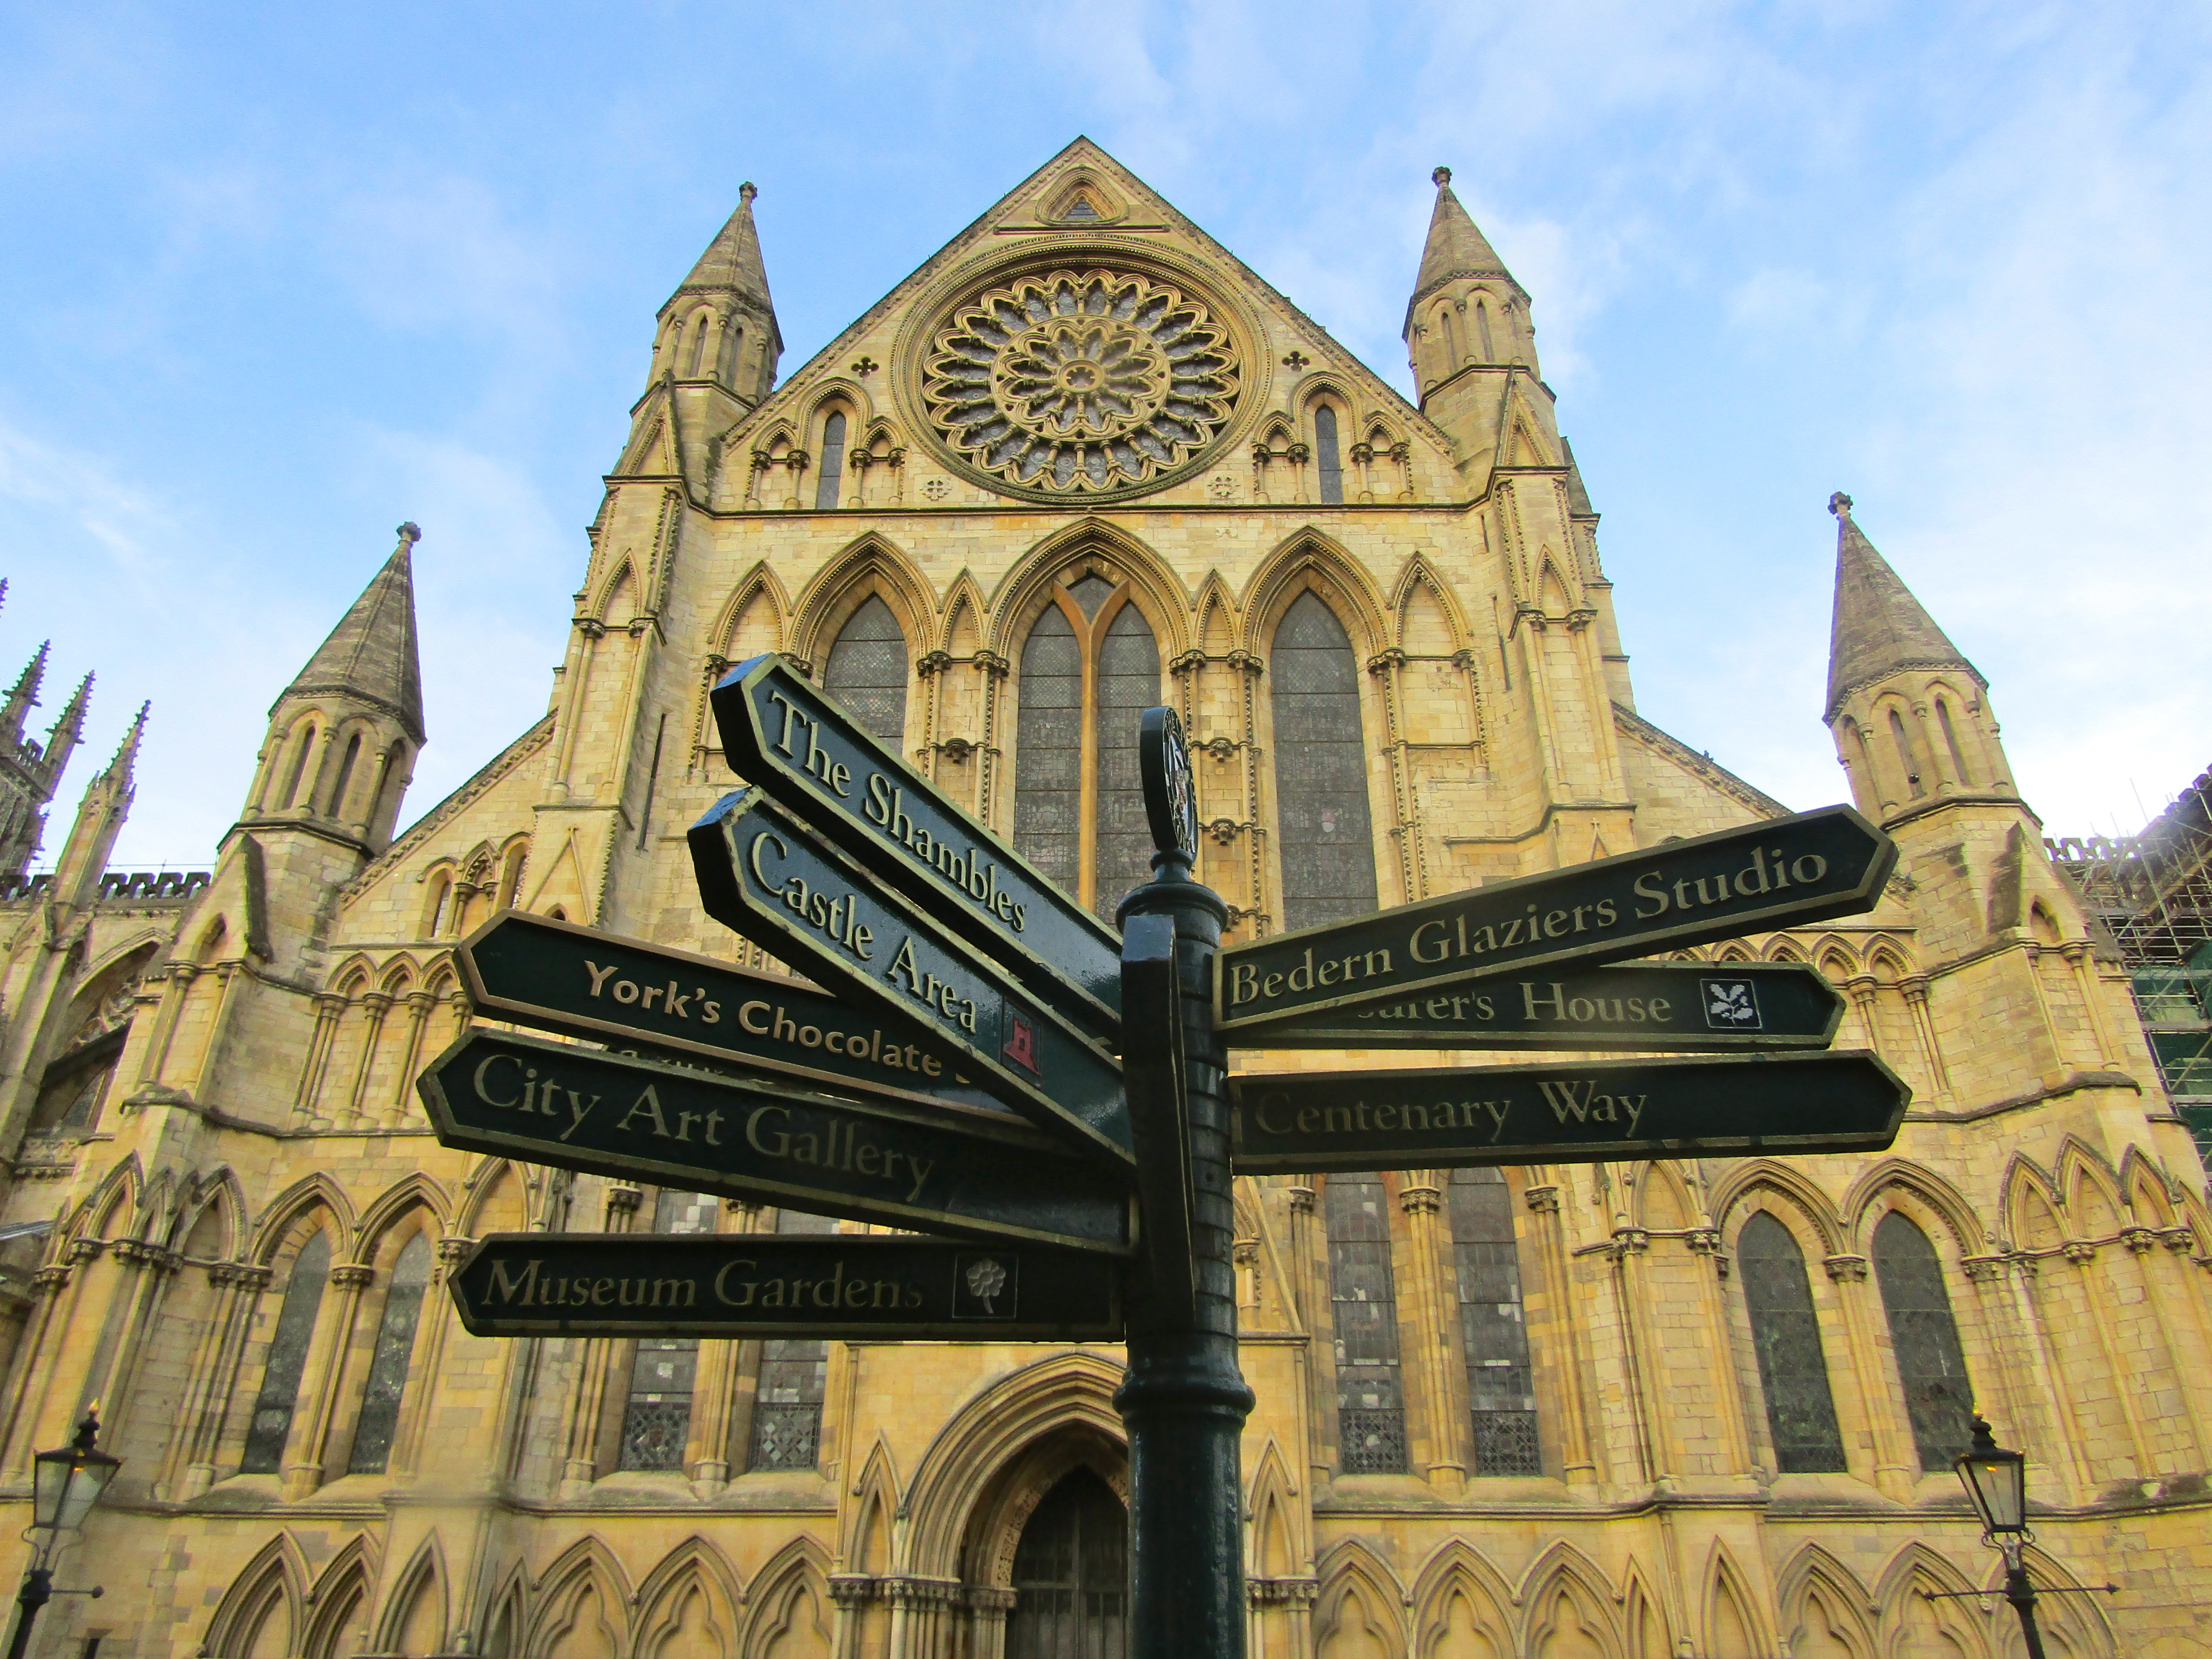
x: 1164, y: 767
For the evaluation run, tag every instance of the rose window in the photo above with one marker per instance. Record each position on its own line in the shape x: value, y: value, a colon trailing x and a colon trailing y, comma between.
x: 1089, y: 381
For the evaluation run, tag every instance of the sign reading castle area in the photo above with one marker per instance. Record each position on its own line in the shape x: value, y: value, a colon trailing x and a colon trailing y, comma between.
x: 1777, y: 873
x: 837, y: 1288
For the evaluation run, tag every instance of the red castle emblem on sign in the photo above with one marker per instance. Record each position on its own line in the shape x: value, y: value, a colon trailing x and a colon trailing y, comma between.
x: 1021, y: 1045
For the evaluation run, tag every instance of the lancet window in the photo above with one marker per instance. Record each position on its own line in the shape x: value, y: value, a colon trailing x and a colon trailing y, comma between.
x: 378, y: 1420
x: 1327, y: 457
x: 1500, y: 1388
x: 1090, y: 668
x: 1930, y: 1365
x: 1951, y: 740
x: 665, y: 1370
x: 1785, y: 1333
x: 1370, y: 1401
x: 794, y: 1375
x: 1321, y: 769
x: 270, y: 1427
x: 867, y: 669
x: 1905, y: 758
x: 830, y: 479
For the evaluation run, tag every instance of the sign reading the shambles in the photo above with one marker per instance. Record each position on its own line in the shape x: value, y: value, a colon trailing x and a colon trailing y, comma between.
x: 560, y: 977
x: 763, y: 873
x: 951, y: 1169
x: 1740, y: 1106
x: 780, y: 731
x: 1690, y: 1009
x: 1775, y: 874
x: 834, y: 1288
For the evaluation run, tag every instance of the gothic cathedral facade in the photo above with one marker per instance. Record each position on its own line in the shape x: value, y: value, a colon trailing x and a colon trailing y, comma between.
x: 1081, y: 462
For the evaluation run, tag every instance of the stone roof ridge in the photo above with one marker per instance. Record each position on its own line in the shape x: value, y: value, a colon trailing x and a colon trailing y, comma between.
x: 372, y: 655
x: 1455, y: 248
x: 1879, y: 629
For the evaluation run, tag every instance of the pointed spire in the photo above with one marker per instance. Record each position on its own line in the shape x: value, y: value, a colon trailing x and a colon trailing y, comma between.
x: 120, y: 769
x: 72, y: 715
x: 370, y: 656
x: 25, y: 696
x: 1879, y: 629
x: 733, y: 261
x: 1454, y: 249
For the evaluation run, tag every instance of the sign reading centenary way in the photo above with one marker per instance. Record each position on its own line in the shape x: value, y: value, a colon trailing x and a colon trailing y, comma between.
x: 947, y: 1168
x: 1775, y: 874
x: 560, y: 977
x: 1718, y: 1008
x: 761, y: 873
x: 783, y: 733
x: 754, y: 1284
x: 1742, y: 1106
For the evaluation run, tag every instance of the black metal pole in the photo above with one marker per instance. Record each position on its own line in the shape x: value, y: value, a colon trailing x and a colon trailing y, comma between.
x: 1184, y: 1400
x: 37, y: 1591
x: 2021, y: 1594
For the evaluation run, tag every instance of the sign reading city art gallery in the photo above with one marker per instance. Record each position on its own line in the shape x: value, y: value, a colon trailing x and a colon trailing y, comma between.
x: 783, y: 733
x: 1720, y: 1008
x: 762, y: 872
x: 1775, y: 874
x: 834, y: 1288
x: 1738, y: 1107
x: 560, y: 977
x: 956, y: 1169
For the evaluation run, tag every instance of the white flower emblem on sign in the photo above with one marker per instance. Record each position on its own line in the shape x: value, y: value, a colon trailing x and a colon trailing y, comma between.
x: 1731, y: 1005
x: 986, y: 1278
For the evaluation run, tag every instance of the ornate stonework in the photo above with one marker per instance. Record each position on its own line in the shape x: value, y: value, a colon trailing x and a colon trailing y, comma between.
x: 1080, y: 383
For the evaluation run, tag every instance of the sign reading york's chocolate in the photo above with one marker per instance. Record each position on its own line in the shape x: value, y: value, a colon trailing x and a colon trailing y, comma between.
x: 1775, y: 874
x: 1437, y: 1118
x: 785, y: 735
x: 834, y: 1288
x: 963, y: 1170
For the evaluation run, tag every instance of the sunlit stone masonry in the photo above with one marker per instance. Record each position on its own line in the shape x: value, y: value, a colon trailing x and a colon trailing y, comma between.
x: 1081, y: 462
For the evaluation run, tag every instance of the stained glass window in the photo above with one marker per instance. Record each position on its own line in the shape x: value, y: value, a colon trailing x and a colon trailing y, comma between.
x: 1500, y: 1388
x: 273, y: 1406
x: 387, y: 1370
x: 665, y: 1370
x: 1370, y: 1402
x: 1325, y: 452
x: 1128, y: 685
x: 1072, y: 1574
x: 867, y: 670
x: 1793, y: 1372
x: 794, y: 1376
x: 1929, y: 1363
x: 1321, y: 769
x: 830, y: 479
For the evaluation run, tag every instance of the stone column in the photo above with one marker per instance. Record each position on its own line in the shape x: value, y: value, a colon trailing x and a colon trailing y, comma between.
x: 419, y: 1004
x: 1309, y: 1296
x: 1445, y: 1423
x: 375, y: 1005
x: 330, y: 1009
x: 1563, y: 1336
x: 2076, y: 952
x: 321, y: 1379
x: 1916, y: 999
x: 587, y: 1396
x: 211, y: 1383
x: 1896, y: 1462
x: 32, y: 1365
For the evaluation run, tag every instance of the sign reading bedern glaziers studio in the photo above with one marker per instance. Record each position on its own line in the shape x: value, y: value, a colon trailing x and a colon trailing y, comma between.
x: 1776, y: 874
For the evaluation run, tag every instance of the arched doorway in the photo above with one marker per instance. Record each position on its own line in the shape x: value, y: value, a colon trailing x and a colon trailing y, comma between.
x: 1072, y: 1574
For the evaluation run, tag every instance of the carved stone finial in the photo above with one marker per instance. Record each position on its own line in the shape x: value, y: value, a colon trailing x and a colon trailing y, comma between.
x: 409, y: 535
x: 1840, y: 505
x: 1441, y: 176
x: 747, y: 190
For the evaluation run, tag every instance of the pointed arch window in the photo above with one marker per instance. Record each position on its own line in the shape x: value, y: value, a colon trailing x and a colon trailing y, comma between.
x: 794, y: 1377
x: 1951, y: 740
x: 1904, y: 759
x: 395, y: 1352
x: 1370, y: 1401
x: 664, y: 1370
x: 345, y: 777
x: 1785, y: 1333
x: 1938, y: 1397
x: 867, y: 669
x: 830, y: 480
x: 1072, y: 1574
x: 1327, y: 456
x: 1321, y: 769
x: 733, y: 339
x: 1482, y: 332
x: 1089, y: 670
x: 272, y: 1423
x: 1500, y: 1386
x: 698, y: 353
x: 299, y: 769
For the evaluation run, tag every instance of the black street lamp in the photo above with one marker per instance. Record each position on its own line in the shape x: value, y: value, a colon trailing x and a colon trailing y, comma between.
x: 65, y: 1483
x: 1996, y: 1484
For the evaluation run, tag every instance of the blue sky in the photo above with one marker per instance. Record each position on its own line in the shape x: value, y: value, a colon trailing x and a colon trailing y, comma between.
x: 272, y: 280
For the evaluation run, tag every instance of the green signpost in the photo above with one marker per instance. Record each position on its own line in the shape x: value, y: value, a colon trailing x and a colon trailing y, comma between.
x: 945, y: 1168
x: 784, y: 734
x: 1774, y: 874
x: 763, y: 873
x: 1436, y: 1118
x: 835, y: 1289
x: 1721, y: 1008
